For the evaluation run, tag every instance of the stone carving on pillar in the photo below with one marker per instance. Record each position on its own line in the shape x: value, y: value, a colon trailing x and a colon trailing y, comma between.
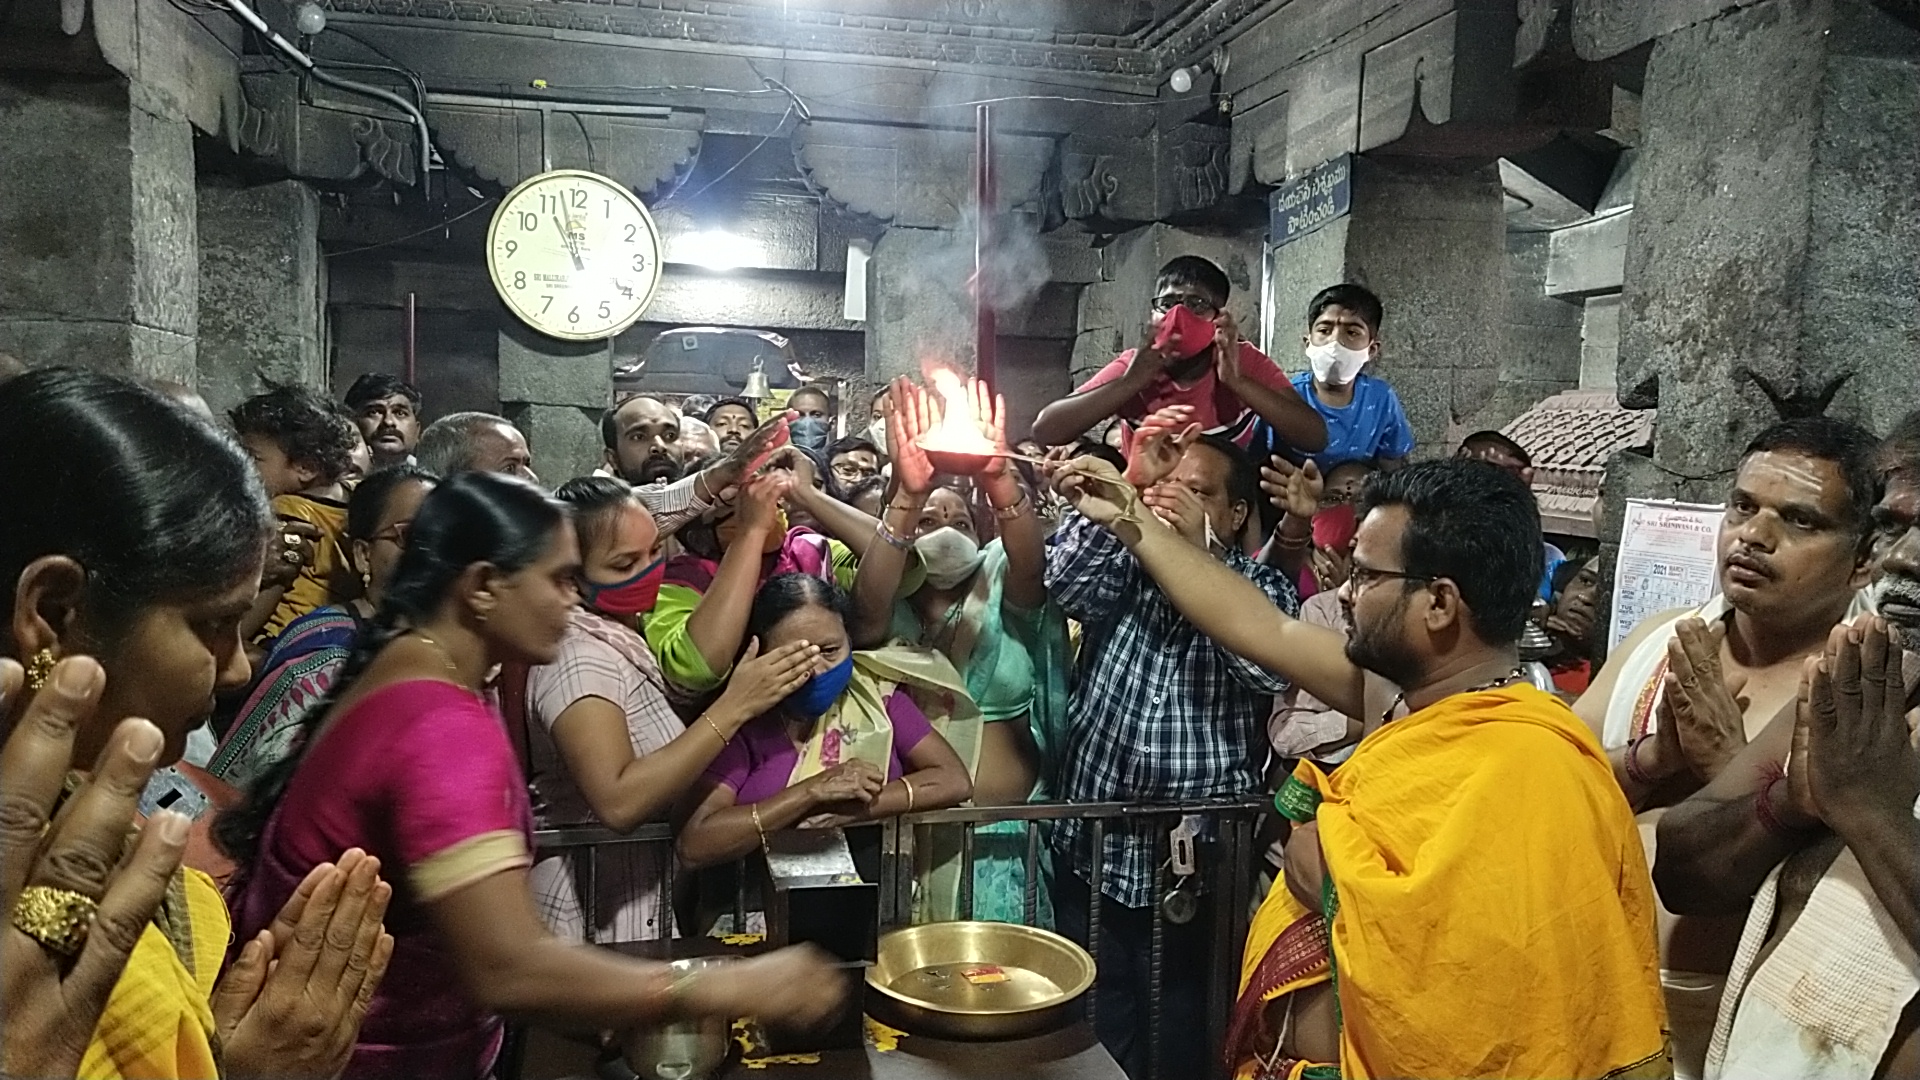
x: 1086, y: 184
x: 1539, y: 20
x: 1108, y: 177
x: 388, y: 149
x: 1258, y: 148
x: 326, y: 140
x: 916, y: 177
x: 251, y: 128
x: 1418, y: 67
x: 650, y: 154
x: 1196, y: 166
x: 1603, y: 29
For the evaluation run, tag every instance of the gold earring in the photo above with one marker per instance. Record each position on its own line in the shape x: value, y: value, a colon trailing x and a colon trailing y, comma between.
x: 40, y: 669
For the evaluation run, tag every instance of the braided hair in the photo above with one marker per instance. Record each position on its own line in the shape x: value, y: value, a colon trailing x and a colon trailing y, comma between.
x: 471, y: 518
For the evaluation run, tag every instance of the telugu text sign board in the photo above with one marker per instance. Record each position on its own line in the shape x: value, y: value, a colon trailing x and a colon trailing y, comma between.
x: 1299, y: 206
x: 1667, y: 561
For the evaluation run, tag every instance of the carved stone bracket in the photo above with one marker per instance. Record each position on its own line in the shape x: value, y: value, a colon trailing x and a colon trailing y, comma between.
x: 1603, y: 29
x: 1541, y: 22
x: 504, y: 146
x: 916, y: 177
x: 1418, y: 67
x: 325, y: 141
x: 1194, y: 167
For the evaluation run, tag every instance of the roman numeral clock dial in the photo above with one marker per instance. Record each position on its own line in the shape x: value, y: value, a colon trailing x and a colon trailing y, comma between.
x: 574, y: 255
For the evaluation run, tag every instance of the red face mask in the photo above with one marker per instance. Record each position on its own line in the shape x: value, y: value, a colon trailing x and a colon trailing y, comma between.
x: 625, y: 599
x: 1334, y: 527
x: 1195, y: 333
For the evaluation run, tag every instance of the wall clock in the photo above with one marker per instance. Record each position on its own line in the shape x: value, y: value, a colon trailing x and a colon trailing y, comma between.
x: 574, y: 254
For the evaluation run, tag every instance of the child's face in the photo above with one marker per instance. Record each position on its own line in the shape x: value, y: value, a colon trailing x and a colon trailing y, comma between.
x: 1341, y: 325
x: 281, y: 476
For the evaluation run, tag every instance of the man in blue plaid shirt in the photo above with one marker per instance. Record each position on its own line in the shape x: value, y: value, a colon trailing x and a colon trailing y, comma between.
x: 1159, y: 713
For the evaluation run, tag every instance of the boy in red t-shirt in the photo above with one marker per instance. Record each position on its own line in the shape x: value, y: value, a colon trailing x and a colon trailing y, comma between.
x: 1227, y: 382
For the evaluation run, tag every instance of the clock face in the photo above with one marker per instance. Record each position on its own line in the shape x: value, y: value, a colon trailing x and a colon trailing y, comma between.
x: 574, y: 255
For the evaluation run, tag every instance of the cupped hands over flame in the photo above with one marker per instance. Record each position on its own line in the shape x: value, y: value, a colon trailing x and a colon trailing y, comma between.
x: 966, y: 433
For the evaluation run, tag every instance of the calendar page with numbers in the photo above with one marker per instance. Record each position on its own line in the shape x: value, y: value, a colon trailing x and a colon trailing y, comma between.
x: 1666, y: 561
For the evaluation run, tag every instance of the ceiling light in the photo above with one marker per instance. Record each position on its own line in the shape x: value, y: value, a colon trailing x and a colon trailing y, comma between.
x: 716, y: 249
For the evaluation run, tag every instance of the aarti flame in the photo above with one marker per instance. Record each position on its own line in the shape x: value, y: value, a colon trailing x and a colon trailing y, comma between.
x: 958, y: 432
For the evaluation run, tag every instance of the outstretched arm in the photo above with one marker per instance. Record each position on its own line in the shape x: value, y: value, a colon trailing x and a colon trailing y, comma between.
x: 1067, y: 419
x: 1266, y: 392
x: 718, y: 626
x: 1225, y: 606
x: 883, y: 563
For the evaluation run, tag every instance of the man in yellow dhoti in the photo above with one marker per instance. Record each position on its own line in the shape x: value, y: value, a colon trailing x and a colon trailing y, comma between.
x: 1467, y: 895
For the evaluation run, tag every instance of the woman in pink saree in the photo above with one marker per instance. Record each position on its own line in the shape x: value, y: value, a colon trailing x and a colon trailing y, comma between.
x: 412, y: 762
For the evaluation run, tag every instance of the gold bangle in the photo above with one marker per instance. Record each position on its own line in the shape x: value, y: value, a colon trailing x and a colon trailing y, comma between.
x: 755, y: 810
x: 908, y: 784
x: 724, y: 740
x: 1019, y: 507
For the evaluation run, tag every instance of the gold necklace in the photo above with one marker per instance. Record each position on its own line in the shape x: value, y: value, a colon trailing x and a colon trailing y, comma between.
x: 445, y: 658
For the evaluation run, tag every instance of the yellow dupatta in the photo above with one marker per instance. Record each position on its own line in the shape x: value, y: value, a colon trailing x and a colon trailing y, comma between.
x: 857, y: 727
x: 1492, y: 914
x: 157, y: 1024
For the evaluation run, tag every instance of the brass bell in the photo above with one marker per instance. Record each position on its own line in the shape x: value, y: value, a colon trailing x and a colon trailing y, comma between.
x: 756, y: 388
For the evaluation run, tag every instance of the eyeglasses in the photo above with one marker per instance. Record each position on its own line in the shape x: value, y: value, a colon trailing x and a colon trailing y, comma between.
x: 1362, y: 576
x: 395, y: 534
x: 1199, y: 305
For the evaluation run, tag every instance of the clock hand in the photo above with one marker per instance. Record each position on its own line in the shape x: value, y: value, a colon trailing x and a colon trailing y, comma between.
x: 567, y: 239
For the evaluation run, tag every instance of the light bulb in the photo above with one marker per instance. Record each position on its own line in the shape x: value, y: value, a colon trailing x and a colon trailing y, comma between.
x: 310, y: 19
x: 1181, y: 80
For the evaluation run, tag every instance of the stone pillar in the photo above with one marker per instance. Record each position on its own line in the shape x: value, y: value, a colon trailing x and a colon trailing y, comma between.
x: 1430, y: 237
x: 555, y: 392
x: 918, y: 307
x: 1775, y: 245
x: 262, y: 291
x: 97, y: 235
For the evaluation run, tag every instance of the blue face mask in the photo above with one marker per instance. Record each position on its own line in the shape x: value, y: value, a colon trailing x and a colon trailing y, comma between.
x: 809, y: 433
x: 818, y: 693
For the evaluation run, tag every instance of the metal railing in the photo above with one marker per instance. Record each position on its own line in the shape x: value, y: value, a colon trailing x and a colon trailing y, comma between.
x: 1228, y: 876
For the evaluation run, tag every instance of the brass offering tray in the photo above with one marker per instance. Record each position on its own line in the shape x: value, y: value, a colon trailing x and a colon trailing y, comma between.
x: 977, y: 980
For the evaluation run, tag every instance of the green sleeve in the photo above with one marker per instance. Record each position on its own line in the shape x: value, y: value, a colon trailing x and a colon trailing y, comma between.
x: 679, y: 658
x: 845, y: 563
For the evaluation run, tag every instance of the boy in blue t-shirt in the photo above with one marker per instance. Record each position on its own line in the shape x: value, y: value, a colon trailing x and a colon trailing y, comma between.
x: 1363, y: 414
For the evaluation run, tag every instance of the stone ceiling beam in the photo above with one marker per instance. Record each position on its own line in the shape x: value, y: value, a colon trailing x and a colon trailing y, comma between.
x: 505, y: 59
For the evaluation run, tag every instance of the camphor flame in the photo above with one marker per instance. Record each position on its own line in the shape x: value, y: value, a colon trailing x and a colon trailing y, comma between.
x: 957, y: 432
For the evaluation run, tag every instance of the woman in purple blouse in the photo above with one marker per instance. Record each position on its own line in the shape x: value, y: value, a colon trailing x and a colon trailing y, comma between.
x: 844, y: 749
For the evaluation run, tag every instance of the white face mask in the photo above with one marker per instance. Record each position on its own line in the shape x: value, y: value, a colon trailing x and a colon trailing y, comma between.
x: 949, y: 555
x: 877, y: 433
x: 1335, y: 364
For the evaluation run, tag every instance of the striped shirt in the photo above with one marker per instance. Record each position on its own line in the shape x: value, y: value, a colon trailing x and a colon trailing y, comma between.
x: 1158, y: 712
x: 629, y: 904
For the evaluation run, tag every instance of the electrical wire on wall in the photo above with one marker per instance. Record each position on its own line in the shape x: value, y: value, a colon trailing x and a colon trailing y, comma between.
x: 467, y: 213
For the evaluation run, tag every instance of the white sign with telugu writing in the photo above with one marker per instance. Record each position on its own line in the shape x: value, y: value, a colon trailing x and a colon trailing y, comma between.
x: 1667, y: 561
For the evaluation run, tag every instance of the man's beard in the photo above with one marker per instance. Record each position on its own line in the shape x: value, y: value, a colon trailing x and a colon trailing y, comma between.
x: 1379, y: 648
x: 1902, y: 595
x: 653, y: 470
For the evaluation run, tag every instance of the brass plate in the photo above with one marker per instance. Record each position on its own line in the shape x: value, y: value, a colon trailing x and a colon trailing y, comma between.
x: 979, y: 979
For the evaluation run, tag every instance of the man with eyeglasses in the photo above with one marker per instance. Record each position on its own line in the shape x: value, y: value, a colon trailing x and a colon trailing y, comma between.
x: 1471, y: 873
x: 1229, y: 384
x: 850, y: 460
